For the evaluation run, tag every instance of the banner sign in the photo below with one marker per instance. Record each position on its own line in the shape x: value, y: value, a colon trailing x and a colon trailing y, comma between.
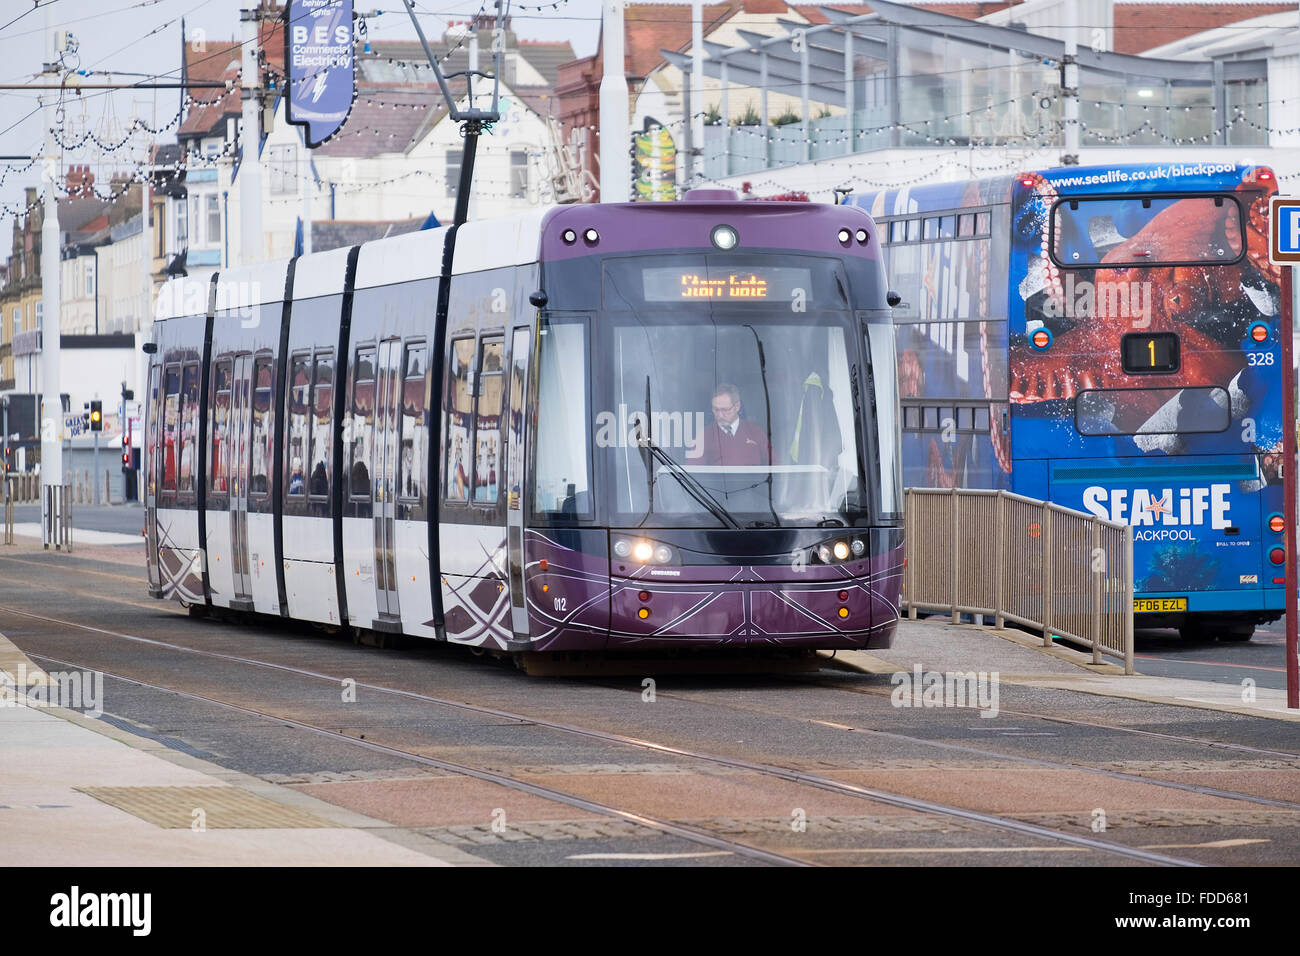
x: 319, y: 58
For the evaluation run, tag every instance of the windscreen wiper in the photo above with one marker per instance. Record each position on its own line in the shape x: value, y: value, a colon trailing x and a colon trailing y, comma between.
x: 693, y: 487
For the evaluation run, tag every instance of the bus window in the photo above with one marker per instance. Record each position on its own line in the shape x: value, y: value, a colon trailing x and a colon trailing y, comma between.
x: 898, y: 231
x: 966, y: 225
x: 947, y: 227
x: 1146, y: 231
x: 931, y: 230
x: 983, y: 223
x: 913, y: 230
x: 1152, y: 411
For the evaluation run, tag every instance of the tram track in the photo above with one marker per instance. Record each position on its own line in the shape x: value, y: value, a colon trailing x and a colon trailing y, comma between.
x: 478, y: 773
x: 798, y: 777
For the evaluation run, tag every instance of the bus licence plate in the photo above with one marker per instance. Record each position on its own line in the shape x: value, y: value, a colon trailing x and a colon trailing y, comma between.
x: 1158, y: 605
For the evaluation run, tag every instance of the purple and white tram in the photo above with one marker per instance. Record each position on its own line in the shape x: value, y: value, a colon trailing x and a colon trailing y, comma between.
x: 586, y: 428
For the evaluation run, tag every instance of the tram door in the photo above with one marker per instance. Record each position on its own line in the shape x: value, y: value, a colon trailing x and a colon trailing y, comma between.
x: 515, y: 459
x: 153, y: 466
x: 385, y: 452
x: 241, y: 424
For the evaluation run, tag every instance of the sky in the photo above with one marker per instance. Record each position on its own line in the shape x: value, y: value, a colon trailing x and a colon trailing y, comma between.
x: 144, y: 36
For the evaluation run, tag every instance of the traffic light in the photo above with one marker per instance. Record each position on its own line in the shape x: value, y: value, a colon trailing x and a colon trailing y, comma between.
x: 126, y: 452
x: 96, y: 416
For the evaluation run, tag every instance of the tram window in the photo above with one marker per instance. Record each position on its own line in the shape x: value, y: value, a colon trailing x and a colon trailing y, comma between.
x: 931, y: 418
x: 966, y: 225
x: 983, y: 223
x: 413, y: 431
x: 189, y: 426
x: 459, y: 421
x: 298, y: 439
x: 947, y: 227
x: 218, y: 460
x: 151, y: 434
x: 363, y: 423
x: 913, y: 230
x: 898, y: 230
x: 931, y: 229
x: 981, y: 419
x: 965, y: 419
x: 260, y: 482
x: 171, y: 422
x: 562, y: 423
x: 912, y: 417
x: 487, y: 428
x: 322, y: 436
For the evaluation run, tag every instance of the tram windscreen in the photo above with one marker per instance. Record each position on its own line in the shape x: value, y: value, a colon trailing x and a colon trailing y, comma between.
x: 749, y: 413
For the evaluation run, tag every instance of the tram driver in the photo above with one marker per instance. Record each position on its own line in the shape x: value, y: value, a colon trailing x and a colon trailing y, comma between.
x: 733, y: 440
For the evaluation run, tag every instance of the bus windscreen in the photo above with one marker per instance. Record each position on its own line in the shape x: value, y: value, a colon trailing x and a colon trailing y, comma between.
x: 1126, y: 231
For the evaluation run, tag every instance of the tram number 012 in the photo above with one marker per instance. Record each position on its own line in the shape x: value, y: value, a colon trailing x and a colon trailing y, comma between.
x: 1260, y: 358
x: 561, y: 604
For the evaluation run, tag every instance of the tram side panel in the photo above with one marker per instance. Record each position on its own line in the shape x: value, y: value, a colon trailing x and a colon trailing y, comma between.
x: 386, y: 457
x: 472, y: 539
x: 307, y: 461
x: 172, y: 456
x: 241, y: 465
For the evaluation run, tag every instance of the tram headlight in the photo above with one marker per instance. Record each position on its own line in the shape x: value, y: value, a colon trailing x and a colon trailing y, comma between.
x: 840, y: 550
x: 569, y: 237
x: 844, y: 237
x: 622, y: 548
x: 862, y: 235
x: 592, y: 237
x: 824, y: 552
x: 643, y: 551
x: 724, y: 238
x: 663, y: 554
x: 859, y: 547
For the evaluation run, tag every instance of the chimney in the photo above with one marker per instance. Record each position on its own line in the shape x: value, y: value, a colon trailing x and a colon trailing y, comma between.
x: 80, y: 180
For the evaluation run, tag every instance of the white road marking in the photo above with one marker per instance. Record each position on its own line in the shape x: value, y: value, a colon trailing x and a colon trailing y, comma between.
x: 645, y: 856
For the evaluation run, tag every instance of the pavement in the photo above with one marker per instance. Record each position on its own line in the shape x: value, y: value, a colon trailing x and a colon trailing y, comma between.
x: 1020, y: 658
x: 116, y: 798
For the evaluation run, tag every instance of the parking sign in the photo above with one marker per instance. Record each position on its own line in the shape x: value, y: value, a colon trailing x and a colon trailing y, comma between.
x: 1284, y: 231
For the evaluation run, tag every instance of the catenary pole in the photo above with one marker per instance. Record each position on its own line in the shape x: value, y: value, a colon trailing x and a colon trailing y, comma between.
x: 615, y: 137
x: 52, y: 415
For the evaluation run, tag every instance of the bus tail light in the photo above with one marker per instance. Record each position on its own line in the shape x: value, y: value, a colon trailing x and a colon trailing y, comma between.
x: 1277, y: 555
x: 1276, y: 524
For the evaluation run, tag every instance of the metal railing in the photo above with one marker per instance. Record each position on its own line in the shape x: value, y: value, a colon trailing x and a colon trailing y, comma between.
x: 1031, y: 562
x: 56, y: 517
x: 24, y: 485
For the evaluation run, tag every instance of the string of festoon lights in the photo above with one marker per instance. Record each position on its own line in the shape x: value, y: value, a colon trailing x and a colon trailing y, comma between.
x: 135, y: 126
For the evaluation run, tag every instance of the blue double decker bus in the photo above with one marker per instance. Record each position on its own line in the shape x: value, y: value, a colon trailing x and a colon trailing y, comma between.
x: 1106, y: 338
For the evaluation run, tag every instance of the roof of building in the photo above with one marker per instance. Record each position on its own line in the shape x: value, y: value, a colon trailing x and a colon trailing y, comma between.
x: 1198, y: 30
x: 339, y: 233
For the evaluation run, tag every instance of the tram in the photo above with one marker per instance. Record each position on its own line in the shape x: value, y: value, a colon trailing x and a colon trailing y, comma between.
x: 614, y: 428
